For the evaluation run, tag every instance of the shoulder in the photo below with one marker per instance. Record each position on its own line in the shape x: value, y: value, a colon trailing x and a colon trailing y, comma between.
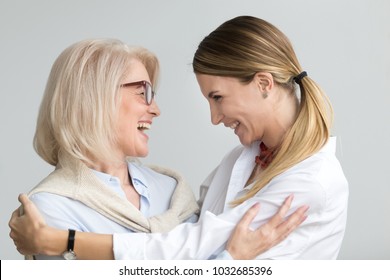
x: 58, y: 211
x: 323, y: 167
x: 46, y: 199
x: 57, y: 181
x: 316, y: 181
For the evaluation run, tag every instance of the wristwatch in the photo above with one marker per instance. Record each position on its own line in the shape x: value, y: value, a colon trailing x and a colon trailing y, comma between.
x: 70, y: 254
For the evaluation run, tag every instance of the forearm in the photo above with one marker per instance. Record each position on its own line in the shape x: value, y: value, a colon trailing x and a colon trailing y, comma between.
x: 53, y: 241
x: 93, y: 246
x: 207, y: 237
x: 87, y: 246
x: 186, y: 241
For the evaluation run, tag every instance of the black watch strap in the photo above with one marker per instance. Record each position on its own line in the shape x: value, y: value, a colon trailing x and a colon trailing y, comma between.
x: 71, y: 238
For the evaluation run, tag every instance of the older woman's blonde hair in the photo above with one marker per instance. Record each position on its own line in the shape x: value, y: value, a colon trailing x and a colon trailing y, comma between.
x: 79, y: 108
x: 244, y: 46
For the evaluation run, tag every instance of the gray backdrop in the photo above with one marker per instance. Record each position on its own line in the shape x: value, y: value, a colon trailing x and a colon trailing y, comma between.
x: 344, y: 45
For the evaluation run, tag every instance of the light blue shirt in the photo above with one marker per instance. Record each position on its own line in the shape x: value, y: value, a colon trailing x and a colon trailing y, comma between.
x: 155, y: 192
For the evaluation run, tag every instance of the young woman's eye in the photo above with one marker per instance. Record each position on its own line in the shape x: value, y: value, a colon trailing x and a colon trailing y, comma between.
x: 217, y: 97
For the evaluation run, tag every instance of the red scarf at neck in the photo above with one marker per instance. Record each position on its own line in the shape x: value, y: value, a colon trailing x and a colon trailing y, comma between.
x: 265, y: 156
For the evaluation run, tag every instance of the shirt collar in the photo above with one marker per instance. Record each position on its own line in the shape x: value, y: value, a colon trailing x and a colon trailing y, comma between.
x: 135, y: 174
x: 106, y: 178
x: 138, y: 180
x: 252, y: 150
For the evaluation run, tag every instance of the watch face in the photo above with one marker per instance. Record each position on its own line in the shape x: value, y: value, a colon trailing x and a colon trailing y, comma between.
x: 69, y: 255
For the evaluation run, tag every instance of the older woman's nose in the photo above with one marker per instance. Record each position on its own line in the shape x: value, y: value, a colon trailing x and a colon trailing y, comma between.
x: 154, y: 109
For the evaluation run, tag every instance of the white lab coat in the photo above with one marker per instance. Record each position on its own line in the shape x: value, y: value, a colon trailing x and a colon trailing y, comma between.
x: 317, y: 181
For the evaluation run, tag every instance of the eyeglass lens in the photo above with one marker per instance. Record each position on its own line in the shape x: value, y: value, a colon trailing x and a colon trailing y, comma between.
x: 148, y: 93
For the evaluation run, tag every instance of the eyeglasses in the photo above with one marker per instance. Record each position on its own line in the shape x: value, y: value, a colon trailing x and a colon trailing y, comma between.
x: 148, y: 91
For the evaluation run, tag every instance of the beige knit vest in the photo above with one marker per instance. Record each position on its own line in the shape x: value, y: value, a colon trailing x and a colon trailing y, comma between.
x: 73, y: 179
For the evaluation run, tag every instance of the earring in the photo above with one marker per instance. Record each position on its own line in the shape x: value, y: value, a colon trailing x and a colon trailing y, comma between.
x: 265, y: 95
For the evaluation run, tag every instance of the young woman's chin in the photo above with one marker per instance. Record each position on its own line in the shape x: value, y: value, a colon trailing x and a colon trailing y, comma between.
x: 244, y: 139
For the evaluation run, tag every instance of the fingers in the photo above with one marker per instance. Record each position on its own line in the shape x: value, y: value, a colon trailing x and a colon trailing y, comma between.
x: 291, y: 223
x: 12, y: 225
x: 14, y: 215
x: 31, y: 212
x: 27, y: 208
x: 248, y: 217
x: 295, y: 219
x: 247, y: 244
x: 282, y: 212
x: 23, y: 199
x: 240, y: 244
x: 286, y: 205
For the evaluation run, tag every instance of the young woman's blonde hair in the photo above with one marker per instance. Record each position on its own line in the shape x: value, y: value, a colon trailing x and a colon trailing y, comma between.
x: 78, y: 112
x: 244, y: 46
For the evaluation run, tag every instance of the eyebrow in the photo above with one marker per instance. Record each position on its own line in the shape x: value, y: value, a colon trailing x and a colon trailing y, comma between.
x: 211, y: 93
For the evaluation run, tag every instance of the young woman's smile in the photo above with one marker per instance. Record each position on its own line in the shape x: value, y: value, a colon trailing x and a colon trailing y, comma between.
x: 236, y: 105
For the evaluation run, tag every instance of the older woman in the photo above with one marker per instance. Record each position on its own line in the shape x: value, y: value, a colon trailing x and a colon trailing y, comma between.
x: 98, y: 103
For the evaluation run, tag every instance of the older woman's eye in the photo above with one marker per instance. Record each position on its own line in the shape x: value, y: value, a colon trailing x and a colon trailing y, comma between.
x: 140, y: 92
x: 217, y: 97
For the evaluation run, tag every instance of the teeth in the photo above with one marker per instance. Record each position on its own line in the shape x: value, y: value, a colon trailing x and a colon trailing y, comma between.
x: 144, y: 126
x: 234, y: 125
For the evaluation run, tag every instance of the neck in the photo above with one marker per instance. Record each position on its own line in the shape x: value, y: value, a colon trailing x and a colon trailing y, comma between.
x: 120, y: 170
x: 117, y: 169
x: 284, y: 115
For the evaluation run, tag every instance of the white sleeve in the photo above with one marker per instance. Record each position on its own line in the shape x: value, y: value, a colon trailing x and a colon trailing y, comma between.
x: 186, y: 241
x: 209, y: 236
x: 224, y: 255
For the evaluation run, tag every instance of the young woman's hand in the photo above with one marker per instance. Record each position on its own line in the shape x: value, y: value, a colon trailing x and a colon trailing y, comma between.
x: 27, y: 227
x: 246, y: 244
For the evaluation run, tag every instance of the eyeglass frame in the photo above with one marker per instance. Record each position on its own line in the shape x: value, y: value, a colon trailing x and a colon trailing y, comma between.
x: 147, y: 85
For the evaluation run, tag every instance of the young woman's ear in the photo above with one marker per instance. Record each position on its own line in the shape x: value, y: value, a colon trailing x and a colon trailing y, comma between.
x: 265, y: 82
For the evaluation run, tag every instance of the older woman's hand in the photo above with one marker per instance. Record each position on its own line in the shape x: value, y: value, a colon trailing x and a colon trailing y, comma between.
x: 246, y: 244
x: 27, y: 227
